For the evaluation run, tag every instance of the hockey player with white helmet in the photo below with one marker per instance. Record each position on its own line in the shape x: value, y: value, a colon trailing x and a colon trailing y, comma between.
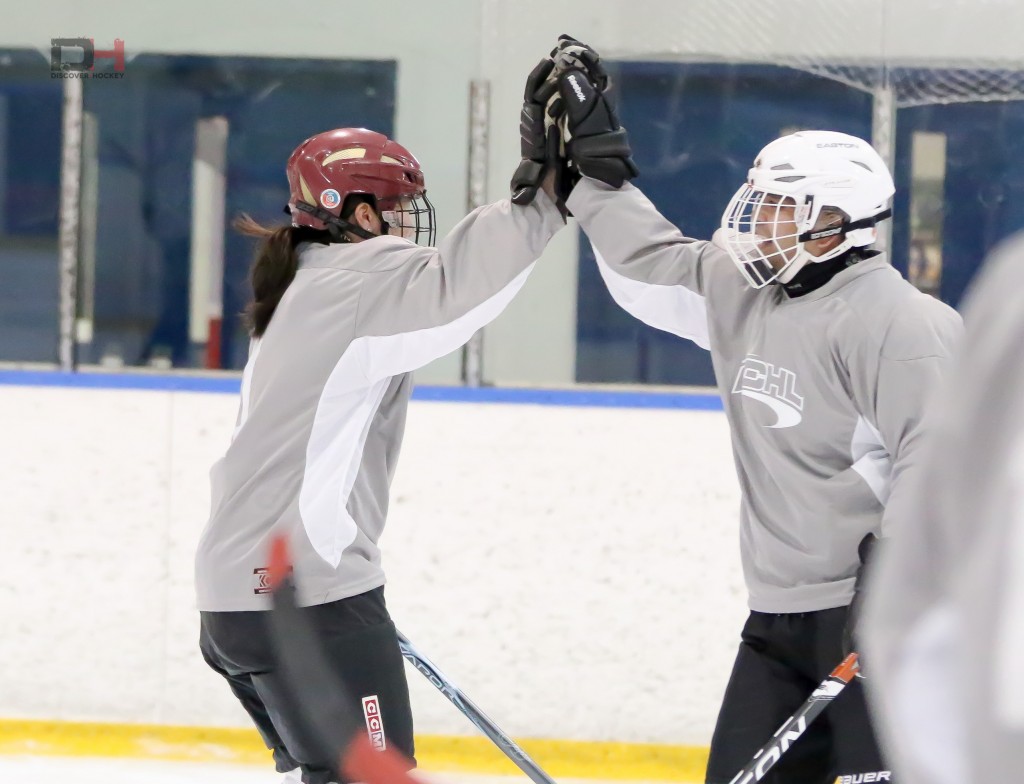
x: 824, y: 357
x: 804, y: 188
x: 347, y: 300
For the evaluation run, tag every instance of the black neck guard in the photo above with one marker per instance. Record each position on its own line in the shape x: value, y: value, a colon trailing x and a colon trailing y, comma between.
x: 814, y: 276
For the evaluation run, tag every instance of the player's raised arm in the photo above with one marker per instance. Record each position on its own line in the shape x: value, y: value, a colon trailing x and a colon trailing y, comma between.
x: 422, y: 303
x: 651, y: 270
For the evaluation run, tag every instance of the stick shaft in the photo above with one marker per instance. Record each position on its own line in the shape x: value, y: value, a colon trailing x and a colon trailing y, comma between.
x: 480, y: 720
x: 795, y: 726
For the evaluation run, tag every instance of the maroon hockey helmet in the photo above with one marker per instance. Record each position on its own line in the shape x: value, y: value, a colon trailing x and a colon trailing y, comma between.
x: 327, y: 168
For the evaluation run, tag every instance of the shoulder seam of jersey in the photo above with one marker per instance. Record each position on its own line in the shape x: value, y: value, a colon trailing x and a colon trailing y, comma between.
x: 915, y: 358
x: 361, y: 271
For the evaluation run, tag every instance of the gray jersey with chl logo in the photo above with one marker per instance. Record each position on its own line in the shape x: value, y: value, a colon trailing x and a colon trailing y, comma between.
x: 825, y: 393
x: 325, y: 393
x: 943, y: 624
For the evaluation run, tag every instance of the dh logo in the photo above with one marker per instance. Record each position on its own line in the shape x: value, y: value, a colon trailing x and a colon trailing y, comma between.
x: 80, y: 54
x: 773, y: 386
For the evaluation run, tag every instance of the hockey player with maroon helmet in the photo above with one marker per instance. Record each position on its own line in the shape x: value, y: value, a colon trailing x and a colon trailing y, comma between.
x: 348, y: 300
x: 329, y: 167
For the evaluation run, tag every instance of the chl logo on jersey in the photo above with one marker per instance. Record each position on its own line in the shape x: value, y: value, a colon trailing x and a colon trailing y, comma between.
x: 773, y: 386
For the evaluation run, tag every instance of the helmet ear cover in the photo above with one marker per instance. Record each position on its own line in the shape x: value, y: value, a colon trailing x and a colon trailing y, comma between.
x: 336, y: 225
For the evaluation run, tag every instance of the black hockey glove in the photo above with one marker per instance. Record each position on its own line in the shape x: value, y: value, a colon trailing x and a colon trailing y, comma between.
x: 538, y: 136
x: 850, y: 641
x: 571, y: 53
x: 596, y: 145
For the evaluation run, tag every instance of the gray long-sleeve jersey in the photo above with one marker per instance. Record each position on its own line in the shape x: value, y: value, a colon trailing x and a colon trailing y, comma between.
x: 825, y: 393
x: 325, y: 393
x: 943, y: 625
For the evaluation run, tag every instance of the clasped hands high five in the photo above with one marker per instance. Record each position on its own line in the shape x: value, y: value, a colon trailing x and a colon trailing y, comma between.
x: 568, y: 127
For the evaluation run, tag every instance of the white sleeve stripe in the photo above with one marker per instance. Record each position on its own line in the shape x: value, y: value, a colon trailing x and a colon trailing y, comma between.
x: 389, y: 355
x: 349, y: 402
x: 674, y: 309
x: 871, y: 459
x: 334, y: 454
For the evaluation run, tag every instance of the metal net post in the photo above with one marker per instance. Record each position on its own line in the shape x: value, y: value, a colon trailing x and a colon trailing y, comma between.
x: 476, y: 195
x: 70, y: 209
x: 883, y: 139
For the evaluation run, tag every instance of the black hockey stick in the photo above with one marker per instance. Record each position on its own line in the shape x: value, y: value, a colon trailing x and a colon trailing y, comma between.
x: 472, y: 712
x: 797, y: 724
x: 318, y: 704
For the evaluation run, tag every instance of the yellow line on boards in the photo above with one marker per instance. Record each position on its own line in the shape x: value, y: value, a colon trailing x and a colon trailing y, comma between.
x: 560, y: 758
x: 74, y: 739
x: 567, y: 758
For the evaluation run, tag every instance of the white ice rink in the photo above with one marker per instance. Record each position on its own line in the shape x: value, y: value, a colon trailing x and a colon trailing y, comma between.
x: 91, y: 770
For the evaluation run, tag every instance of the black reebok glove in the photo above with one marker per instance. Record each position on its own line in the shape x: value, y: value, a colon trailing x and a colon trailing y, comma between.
x: 570, y: 53
x: 850, y: 641
x: 596, y: 145
x: 539, y: 145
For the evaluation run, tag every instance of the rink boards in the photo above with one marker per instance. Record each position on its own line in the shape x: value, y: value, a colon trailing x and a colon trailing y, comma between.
x: 568, y: 557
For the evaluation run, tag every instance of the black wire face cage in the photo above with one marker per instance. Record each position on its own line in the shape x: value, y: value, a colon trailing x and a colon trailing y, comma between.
x: 412, y: 217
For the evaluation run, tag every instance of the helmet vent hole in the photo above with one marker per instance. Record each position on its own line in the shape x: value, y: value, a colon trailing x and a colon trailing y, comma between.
x: 351, y: 153
x: 783, y: 167
x: 860, y: 163
x: 791, y: 178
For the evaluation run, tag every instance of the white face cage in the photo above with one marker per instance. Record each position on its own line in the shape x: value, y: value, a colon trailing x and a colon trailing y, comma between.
x: 762, y: 233
x: 412, y: 217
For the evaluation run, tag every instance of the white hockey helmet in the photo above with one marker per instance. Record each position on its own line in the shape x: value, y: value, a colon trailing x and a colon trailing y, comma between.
x: 809, y: 171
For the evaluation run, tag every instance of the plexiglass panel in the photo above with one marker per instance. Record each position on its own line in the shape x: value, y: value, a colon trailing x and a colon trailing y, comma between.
x: 176, y: 144
x: 30, y: 116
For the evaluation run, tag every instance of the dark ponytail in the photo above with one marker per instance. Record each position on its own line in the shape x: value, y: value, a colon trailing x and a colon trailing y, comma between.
x: 273, y: 269
x: 276, y: 261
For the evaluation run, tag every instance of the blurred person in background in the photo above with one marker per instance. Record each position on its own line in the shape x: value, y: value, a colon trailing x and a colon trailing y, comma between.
x: 347, y: 301
x: 944, y: 604
x: 824, y: 356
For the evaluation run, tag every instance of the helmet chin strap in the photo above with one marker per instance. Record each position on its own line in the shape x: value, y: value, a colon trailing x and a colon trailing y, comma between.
x: 842, y: 230
x: 845, y: 228
x: 805, y: 258
x: 336, y: 226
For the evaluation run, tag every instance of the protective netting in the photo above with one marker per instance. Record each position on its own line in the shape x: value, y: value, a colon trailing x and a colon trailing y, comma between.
x: 927, y: 84
x: 924, y: 51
